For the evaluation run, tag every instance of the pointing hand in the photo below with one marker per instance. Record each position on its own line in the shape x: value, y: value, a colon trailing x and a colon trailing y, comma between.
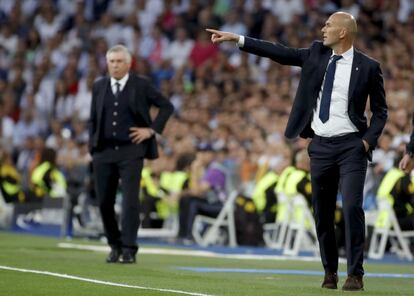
x: 220, y: 36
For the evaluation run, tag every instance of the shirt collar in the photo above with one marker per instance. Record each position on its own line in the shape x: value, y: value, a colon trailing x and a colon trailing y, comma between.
x: 121, y: 81
x: 347, y: 55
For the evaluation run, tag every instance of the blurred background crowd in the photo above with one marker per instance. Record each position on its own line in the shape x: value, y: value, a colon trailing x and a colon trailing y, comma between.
x: 227, y: 102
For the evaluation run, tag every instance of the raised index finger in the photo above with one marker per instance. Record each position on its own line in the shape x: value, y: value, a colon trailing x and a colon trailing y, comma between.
x: 213, y: 31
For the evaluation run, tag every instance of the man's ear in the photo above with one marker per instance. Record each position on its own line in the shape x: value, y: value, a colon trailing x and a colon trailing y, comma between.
x: 343, y: 33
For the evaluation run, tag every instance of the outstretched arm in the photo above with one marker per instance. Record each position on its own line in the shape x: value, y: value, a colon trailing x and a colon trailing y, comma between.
x: 275, y: 51
x: 220, y: 36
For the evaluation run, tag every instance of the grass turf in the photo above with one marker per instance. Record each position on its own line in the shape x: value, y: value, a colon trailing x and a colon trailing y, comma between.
x: 160, y: 271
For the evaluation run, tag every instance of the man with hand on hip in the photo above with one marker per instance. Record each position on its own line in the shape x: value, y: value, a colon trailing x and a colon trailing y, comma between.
x: 121, y: 135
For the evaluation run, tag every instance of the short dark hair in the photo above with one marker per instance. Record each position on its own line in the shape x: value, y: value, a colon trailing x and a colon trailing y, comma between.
x: 184, y: 161
x: 49, y: 155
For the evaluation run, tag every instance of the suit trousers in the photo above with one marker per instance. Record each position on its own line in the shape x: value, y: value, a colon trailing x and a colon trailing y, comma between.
x: 339, y: 163
x: 109, y: 166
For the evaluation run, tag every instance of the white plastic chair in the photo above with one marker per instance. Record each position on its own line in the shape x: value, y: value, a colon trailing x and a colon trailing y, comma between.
x: 274, y: 234
x: 224, y: 219
x: 169, y: 229
x: 387, y: 227
x: 301, y: 234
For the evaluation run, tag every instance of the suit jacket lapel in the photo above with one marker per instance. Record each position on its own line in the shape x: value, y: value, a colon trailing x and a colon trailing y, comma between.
x: 354, y: 73
x: 324, y: 61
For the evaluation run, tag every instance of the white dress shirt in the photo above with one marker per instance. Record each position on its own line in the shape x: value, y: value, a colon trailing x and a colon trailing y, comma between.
x: 122, y: 83
x: 338, y: 123
x: 240, y: 43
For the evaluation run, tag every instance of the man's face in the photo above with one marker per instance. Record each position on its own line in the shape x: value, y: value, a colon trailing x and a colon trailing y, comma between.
x: 118, y: 66
x: 332, y: 31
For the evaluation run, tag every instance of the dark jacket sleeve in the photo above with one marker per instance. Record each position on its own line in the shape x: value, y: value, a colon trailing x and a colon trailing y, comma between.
x: 275, y: 51
x: 378, y: 107
x: 165, y: 107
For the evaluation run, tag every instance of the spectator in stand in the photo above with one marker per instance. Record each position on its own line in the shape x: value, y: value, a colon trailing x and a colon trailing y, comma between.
x: 47, y: 180
x: 63, y: 103
x: 10, y: 180
x: 82, y: 103
x: 180, y: 49
x: 203, y: 50
x: 26, y: 127
x: 206, y: 193
x: 48, y: 22
x: 6, y: 129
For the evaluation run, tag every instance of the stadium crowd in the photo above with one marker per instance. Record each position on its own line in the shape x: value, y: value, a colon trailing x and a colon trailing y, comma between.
x: 227, y: 102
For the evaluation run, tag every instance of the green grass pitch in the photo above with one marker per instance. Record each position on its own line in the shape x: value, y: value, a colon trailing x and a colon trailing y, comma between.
x: 160, y: 272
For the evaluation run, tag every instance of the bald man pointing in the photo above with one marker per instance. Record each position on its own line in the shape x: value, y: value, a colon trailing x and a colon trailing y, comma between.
x: 329, y: 107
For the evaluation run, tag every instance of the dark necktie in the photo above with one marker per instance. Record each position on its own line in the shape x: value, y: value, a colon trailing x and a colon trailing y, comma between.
x: 118, y: 89
x: 327, y: 89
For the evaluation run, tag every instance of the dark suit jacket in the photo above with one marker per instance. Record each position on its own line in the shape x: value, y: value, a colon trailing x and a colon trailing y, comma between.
x: 141, y: 96
x: 366, y: 80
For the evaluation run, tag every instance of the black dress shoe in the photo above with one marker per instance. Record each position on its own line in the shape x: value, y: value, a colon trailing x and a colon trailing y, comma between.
x: 330, y: 281
x: 113, y: 256
x: 353, y: 283
x: 127, y: 258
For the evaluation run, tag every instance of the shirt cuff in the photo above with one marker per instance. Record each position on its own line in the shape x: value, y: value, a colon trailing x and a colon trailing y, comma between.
x: 240, y: 43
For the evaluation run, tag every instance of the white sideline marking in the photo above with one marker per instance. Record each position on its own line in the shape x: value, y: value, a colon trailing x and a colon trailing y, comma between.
x: 72, y: 277
x: 195, y: 253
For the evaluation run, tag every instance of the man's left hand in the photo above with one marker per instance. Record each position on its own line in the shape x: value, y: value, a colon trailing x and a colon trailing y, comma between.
x: 139, y: 134
x: 366, y: 145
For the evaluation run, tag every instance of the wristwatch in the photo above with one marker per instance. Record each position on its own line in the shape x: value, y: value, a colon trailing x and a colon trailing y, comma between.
x: 410, y: 154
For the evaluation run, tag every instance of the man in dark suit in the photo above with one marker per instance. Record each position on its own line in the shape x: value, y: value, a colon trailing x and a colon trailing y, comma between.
x: 407, y: 162
x: 121, y: 135
x: 329, y: 106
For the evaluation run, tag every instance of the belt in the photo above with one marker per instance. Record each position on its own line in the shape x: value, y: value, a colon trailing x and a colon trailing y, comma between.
x: 336, y: 139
